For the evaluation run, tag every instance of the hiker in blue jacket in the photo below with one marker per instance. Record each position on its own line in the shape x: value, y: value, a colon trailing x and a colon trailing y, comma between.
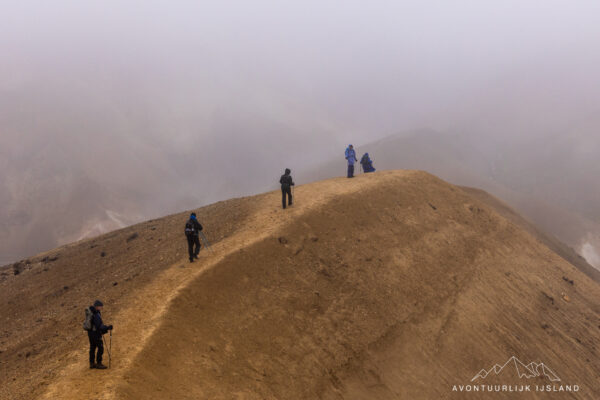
x: 351, y: 157
x: 367, y: 163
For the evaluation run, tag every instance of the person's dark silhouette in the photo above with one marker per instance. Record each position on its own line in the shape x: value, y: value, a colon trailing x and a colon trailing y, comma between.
x: 192, y: 230
x: 286, y: 187
x: 95, y: 332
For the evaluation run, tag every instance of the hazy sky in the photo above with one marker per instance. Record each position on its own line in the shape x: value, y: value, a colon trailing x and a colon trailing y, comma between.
x: 146, y: 107
x: 356, y: 67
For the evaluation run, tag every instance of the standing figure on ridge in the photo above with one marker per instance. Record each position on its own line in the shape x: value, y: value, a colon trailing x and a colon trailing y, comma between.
x: 351, y: 157
x: 192, y: 230
x: 95, y: 328
x: 286, y: 187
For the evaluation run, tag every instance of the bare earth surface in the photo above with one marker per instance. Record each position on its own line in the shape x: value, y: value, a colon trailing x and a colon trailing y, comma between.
x: 394, y: 285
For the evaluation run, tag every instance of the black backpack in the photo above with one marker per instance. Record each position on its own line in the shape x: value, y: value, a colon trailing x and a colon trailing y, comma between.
x: 286, y: 180
x: 190, y: 228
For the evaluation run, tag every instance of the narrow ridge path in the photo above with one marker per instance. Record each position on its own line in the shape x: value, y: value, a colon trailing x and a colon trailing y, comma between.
x: 135, y: 324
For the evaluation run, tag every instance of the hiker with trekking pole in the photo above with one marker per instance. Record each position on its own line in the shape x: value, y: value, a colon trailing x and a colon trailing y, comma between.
x: 286, y: 187
x: 96, y: 329
x: 192, y: 231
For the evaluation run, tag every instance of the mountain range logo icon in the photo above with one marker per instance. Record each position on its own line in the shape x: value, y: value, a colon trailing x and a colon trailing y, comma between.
x: 531, y: 370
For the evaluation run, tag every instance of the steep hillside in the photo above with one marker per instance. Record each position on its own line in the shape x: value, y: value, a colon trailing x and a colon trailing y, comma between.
x: 391, y: 285
x: 553, y: 243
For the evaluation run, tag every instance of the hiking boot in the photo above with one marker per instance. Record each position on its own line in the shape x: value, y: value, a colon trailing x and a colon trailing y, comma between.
x: 100, y: 366
x: 92, y: 366
x: 196, y: 256
x: 191, y: 260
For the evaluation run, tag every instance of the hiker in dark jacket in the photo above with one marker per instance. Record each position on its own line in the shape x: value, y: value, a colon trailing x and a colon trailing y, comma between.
x: 95, y: 336
x: 367, y: 163
x: 286, y: 187
x: 192, y: 230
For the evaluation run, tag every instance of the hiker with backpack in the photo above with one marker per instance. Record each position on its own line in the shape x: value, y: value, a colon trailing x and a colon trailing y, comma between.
x: 95, y: 328
x: 351, y: 157
x: 286, y: 187
x: 367, y: 163
x: 192, y: 232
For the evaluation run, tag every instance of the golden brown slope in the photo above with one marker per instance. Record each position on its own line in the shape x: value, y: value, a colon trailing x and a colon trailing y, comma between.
x: 259, y: 223
x: 399, y: 291
x: 41, y: 307
x: 553, y: 243
x: 391, y: 285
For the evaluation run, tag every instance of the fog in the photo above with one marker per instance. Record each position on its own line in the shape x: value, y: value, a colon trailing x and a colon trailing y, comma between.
x: 118, y: 111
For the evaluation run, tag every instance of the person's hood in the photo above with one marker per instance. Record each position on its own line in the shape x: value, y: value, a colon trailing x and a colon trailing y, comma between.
x: 287, y: 171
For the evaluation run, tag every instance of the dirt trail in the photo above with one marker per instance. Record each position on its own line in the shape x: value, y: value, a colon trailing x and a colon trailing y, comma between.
x: 135, y: 327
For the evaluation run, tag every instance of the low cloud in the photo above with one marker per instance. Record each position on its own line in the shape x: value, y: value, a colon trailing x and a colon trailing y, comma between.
x: 591, y: 253
x: 157, y: 107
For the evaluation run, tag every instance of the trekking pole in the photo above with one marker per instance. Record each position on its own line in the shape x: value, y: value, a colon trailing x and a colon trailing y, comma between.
x: 206, y: 243
x: 108, y: 348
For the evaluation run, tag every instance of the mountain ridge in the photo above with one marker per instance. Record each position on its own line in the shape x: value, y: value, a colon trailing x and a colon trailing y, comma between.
x: 361, y: 290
